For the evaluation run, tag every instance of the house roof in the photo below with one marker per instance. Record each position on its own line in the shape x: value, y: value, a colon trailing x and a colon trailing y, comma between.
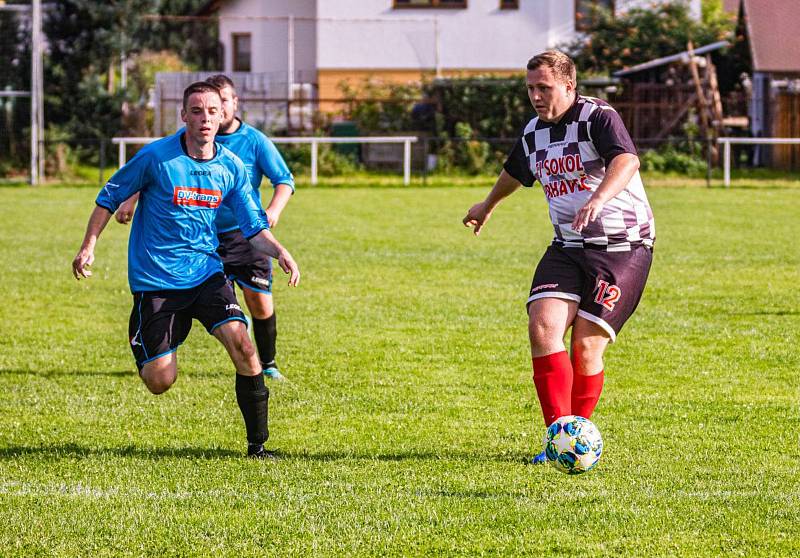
x: 772, y: 30
x: 669, y: 59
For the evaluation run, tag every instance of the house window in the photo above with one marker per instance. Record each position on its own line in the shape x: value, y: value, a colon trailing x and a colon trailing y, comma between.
x: 509, y: 4
x: 430, y: 3
x: 241, y: 52
x: 585, y: 12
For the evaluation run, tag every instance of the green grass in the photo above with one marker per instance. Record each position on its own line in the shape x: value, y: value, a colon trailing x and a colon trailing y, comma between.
x: 410, y: 414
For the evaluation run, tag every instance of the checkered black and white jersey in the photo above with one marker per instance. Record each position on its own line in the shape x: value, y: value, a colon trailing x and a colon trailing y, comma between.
x: 569, y: 158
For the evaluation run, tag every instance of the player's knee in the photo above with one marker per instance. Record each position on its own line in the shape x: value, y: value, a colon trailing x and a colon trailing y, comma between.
x: 243, y: 346
x: 158, y: 380
x: 543, y: 333
x: 157, y: 386
x: 587, y: 354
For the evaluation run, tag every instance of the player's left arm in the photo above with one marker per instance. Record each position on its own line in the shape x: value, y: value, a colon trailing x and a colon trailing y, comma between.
x: 280, y: 197
x: 615, y: 147
x: 265, y: 242
x: 273, y: 166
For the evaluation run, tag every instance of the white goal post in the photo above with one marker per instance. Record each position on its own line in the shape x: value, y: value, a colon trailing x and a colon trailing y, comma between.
x: 123, y: 142
x: 726, y: 145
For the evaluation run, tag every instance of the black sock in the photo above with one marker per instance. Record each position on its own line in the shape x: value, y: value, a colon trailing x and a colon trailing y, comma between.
x: 265, y: 332
x: 253, y: 398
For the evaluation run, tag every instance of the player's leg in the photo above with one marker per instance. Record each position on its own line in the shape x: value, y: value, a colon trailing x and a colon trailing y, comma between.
x: 252, y: 394
x: 265, y: 330
x: 158, y: 325
x: 548, y: 321
x: 217, y: 309
x: 589, y: 342
x: 159, y: 374
x: 614, y: 285
x: 252, y: 271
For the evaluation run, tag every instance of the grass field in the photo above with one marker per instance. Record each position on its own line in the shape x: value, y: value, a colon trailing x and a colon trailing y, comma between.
x: 410, y: 414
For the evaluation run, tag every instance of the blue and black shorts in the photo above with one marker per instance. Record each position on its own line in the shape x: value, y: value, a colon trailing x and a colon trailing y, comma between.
x: 245, y: 265
x: 161, y: 320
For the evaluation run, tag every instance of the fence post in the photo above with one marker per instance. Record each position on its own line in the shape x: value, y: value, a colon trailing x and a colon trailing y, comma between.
x: 406, y: 162
x: 121, y: 154
x: 314, y: 161
x: 102, y: 160
x: 708, y: 161
x: 727, y: 163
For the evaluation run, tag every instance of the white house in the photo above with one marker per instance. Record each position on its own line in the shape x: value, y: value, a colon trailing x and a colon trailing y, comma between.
x: 324, y: 42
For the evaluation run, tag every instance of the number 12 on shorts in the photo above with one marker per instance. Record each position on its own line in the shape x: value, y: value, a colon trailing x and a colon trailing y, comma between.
x: 607, y: 295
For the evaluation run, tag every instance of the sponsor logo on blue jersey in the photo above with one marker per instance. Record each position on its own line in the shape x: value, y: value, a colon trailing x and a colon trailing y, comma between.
x: 198, y: 197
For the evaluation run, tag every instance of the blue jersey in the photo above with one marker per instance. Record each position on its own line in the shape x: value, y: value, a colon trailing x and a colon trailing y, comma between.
x: 261, y: 158
x: 173, y: 239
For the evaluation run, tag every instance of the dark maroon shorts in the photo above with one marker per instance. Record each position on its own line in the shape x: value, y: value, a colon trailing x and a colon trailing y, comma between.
x: 606, y: 285
x: 161, y: 320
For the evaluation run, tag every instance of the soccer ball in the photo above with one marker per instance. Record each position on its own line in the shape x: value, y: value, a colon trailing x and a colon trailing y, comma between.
x: 573, y: 444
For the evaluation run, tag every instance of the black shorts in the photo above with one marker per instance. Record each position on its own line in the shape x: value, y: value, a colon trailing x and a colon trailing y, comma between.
x: 244, y: 264
x: 606, y: 285
x: 161, y: 320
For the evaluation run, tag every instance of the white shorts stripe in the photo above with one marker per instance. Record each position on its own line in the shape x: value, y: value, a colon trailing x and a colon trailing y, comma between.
x: 599, y: 321
x: 554, y: 294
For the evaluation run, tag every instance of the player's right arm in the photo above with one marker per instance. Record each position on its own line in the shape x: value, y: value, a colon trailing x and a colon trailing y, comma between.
x: 85, y: 256
x: 126, y: 182
x: 479, y: 214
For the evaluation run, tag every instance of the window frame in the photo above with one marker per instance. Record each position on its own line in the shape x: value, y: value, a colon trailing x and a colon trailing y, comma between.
x: 432, y: 5
x: 236, y: 52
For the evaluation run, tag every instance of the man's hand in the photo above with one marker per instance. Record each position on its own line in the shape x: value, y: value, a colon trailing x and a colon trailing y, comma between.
x: 587, y: 214
x: 477, y: 216
x: 124, y: 212
x: 80, y: 265
x: 272, y: 217
x: 289, y: 266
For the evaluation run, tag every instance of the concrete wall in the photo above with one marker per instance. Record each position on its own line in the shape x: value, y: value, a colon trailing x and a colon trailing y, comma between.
x: 270, y: 37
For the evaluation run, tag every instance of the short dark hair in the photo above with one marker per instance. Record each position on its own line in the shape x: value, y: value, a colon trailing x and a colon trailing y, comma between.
x: 199, y: 87
x: 562, y: 65
x: 221, y: 81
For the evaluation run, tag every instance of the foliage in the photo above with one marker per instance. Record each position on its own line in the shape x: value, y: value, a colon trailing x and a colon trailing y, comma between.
x: 86, y: 40
x: 330, y: 162
x: 493, y: 107
x: 379, y: 107
x: 640, y: 34
x: 674, y: 160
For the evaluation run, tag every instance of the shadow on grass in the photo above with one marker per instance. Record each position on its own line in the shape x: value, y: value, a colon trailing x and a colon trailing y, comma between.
x: 71, y: 451
x: 410, y: 455
x: 767, y: 313
x: 53, y: 373
x: 59, y: 451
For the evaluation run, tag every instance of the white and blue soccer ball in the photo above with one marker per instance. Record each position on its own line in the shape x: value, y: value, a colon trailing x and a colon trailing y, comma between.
x: 573, y: 444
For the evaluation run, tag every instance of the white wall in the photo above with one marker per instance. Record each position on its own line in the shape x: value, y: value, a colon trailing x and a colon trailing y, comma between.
x: 479, y: 37
x: 370, y: 34
x: 270, y: 37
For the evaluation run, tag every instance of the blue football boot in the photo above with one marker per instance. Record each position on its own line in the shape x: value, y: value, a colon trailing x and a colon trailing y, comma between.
x: 538, y: 459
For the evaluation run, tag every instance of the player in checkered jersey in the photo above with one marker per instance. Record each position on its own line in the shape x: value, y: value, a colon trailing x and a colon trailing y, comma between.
x: 593, y: 274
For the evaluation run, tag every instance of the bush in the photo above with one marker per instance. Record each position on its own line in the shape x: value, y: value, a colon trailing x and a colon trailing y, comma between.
x: 672, y: 160
x: 329, y: 163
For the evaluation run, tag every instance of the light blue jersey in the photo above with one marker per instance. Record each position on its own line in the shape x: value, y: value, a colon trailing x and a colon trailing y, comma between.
x: 261, y: 158
x: 173, y: 239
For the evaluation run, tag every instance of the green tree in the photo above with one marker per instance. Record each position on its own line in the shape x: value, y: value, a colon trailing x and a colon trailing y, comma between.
x: 639, y: 35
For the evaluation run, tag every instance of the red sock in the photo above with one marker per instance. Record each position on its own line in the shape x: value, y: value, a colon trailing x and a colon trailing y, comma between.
x: 552, y: 375
x: 586, y: 393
